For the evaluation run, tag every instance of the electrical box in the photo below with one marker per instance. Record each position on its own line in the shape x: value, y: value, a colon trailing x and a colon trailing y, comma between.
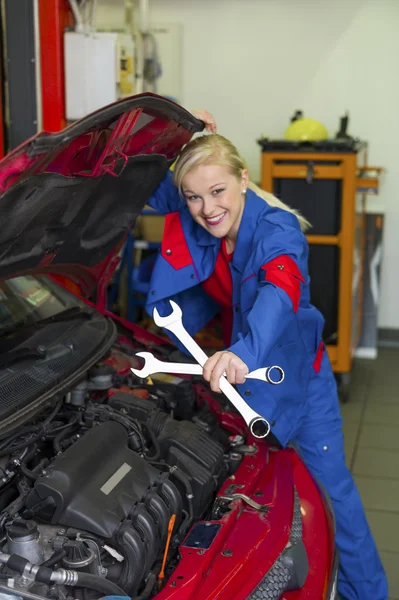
x: 99, y: 70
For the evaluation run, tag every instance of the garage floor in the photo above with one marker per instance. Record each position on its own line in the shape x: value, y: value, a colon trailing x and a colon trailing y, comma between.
x: 371, y: 428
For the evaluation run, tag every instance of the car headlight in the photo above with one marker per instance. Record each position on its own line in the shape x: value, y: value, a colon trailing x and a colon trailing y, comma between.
x: 290, y: 570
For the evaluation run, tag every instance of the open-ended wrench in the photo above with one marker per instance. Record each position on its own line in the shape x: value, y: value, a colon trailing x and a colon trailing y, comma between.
x: 258, y: 426
x: 273, y: 375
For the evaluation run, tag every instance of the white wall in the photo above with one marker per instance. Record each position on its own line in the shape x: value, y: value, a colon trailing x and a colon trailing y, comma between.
x: 253, y: 62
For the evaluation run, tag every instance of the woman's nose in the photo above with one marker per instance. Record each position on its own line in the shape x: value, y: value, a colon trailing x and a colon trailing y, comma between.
x: 208, y: 207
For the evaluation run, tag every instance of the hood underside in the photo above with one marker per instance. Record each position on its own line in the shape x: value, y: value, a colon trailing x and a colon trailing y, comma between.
x: 68, y: 199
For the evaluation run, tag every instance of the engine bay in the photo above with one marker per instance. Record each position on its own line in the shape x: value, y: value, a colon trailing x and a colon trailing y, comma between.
x: 99, y: 490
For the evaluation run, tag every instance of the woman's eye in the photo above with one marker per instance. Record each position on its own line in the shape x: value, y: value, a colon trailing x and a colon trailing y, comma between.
x: 218, y: 191
x: 192, y: 198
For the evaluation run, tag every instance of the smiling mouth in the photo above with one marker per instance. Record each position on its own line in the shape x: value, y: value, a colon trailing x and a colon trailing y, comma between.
x: 215, y: 220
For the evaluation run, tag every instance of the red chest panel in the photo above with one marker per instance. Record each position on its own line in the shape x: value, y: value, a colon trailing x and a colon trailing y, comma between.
x: 174, y: 247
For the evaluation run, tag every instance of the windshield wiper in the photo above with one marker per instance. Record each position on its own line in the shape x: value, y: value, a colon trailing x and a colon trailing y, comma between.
x: 21, y: 354
x: 74, y: 312
x: 14, y: 327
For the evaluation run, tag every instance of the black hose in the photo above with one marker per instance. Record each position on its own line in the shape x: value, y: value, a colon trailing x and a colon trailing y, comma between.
x: 37, y: 432
x: 28, y: 473
x: 23, y: 466
x: 154, y: 442
x: 125, y: 420
x: 145, y: 594
x: 54, y: 558
x: 62, y: 434
x: 10, y: 450
x: 17, y: 434
x: 99, y: 584
x: 54, y: 412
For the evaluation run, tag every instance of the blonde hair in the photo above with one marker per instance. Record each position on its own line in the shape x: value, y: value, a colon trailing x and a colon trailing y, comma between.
x: 217, y: 150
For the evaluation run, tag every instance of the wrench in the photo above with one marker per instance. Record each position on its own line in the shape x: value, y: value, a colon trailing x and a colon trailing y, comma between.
x: 153, y: 365
x: 258, y: 426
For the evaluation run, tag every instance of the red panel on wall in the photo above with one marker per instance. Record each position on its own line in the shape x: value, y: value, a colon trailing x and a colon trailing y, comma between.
x: 54, y: 17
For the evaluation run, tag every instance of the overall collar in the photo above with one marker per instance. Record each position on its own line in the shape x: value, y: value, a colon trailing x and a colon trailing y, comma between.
x: 254, y: 207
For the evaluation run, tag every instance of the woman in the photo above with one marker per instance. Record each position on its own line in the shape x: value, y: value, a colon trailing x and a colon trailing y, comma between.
x: 227, y: 245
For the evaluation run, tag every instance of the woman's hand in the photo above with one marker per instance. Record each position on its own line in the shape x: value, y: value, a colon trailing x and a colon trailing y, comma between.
x: 224, y: 362
x: 207, y: 118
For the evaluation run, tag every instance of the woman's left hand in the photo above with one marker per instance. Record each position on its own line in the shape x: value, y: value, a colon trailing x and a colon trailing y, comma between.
x: 224, y: 362
x: 207, y: 118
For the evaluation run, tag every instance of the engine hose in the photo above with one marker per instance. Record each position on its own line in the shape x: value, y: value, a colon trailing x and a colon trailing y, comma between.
x: 99, y: 584
x: 54, y: 558
x: 54, y: 412
x: 46, y: 575
x: 154, y: 442
x: 38, y: 431
x: 146, y: 593
x: 27, y: 472
x: 21, y: 431
x: 62, y: 434
x: 5, y: 448
x: 128, y: 424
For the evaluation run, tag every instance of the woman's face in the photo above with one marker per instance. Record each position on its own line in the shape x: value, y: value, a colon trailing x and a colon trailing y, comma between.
x: 215, y: 199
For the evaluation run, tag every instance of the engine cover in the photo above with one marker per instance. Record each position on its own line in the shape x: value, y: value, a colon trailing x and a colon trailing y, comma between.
x: 182, y: 444
x: 98, y: 482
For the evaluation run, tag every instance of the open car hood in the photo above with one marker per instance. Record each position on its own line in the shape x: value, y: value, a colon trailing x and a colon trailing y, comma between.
x: 68, y: 199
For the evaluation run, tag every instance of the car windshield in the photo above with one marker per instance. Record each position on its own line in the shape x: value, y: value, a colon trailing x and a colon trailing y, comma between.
x: 27, y: 300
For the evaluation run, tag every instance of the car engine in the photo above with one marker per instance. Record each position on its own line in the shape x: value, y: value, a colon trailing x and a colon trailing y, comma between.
x: 103, y: 485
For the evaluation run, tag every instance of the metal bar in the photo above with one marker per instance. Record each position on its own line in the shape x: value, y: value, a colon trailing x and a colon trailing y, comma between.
x: 324, y: 240
x: 21, y: 70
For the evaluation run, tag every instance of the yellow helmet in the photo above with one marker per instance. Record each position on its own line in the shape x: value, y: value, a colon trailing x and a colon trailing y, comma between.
x: 305, y: 130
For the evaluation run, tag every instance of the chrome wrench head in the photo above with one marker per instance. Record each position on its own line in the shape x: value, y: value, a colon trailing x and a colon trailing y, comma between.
x: 174, y: 317
x: 259, y: 427
x: 149, y: 365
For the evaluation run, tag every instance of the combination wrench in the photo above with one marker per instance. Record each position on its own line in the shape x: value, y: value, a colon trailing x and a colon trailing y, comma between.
x: 258, y: 425
x: 273, y: 375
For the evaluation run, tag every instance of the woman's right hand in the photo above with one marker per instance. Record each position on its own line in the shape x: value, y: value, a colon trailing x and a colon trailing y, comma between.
x: 207, y: 118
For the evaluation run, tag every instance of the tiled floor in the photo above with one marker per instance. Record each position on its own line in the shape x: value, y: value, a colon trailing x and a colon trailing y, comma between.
x: 371, y: 428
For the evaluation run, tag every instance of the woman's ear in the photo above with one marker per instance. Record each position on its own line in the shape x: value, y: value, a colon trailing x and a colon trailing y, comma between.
x: 244, y: 180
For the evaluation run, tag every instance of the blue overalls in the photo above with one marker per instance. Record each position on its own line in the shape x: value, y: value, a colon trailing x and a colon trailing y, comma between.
x: 274, y: 324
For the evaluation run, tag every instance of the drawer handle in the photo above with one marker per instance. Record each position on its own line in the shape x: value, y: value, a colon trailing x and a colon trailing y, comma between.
x: 309, y: 174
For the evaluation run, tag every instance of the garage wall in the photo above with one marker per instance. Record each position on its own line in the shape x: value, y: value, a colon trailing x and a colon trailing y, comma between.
x: 253, y: 62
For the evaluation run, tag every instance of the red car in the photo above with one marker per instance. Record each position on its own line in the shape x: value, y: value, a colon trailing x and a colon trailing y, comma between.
x: 109, y: 485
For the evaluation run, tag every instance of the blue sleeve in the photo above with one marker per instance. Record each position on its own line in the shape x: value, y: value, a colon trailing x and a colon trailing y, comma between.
x: 254, y: 347
x: 276, y: 296
x: 166, y: 198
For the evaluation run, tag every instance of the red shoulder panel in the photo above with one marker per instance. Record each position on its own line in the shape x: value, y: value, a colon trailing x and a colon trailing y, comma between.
x: 174, y: 247
x: 283, y: 272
